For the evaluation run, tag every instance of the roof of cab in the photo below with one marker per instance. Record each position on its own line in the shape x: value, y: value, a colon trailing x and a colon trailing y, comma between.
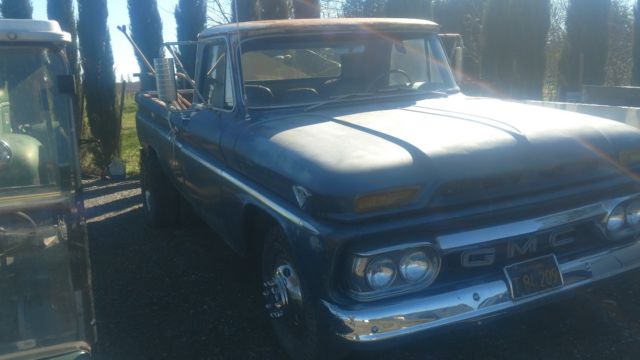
x: 266, y: 27
x: 18, y: 30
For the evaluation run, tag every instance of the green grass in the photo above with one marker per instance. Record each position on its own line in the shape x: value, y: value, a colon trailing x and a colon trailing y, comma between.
x: 130, y: 146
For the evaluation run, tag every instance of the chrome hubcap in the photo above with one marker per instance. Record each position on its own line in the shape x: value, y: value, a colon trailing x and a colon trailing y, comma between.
x: 282, y: 292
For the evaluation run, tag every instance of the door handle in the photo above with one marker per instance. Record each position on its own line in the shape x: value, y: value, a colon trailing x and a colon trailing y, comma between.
x: 186, y: 118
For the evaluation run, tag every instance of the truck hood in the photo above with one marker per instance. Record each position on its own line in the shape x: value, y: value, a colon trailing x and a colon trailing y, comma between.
x: 454, y: 150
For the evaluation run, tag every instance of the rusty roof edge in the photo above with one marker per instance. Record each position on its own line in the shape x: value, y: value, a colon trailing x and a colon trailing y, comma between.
x: 264, y: 27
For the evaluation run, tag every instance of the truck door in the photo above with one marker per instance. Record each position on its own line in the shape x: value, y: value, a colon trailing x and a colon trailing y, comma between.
x: 199, y: 139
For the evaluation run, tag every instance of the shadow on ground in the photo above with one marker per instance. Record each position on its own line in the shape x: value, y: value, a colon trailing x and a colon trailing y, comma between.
x: 182, y: 294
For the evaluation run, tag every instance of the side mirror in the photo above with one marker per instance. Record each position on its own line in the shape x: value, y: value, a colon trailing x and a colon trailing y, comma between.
x: 166, y: 79
x: 5, y: 154
x: 458, y: 63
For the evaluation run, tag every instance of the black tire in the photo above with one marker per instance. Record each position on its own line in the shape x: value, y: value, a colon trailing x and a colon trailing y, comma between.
x: 188, y: 218
x: 298, y: 330
x: 160, y: 200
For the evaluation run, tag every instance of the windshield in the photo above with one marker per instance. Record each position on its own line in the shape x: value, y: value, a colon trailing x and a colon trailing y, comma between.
x: 34, y: 121
x: 283, y: 71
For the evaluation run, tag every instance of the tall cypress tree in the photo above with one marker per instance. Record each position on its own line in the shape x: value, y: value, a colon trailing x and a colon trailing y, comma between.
x: 191, y: 19
x: 62, y: 12
x: 619, y: 66
x: 531, y: 23
x: 420, y: 9
x: 497, y: 49
x: 99, y: 77
x: 464, y: 17
x: 306, y: 9
x: 636, y: 45
x: 515, y: 38
x: 274, y: 9
x: 146, y: 30
x: 365, y: 8
x: 17, y: 9
x: 247, y: 10
x: 585, y: 54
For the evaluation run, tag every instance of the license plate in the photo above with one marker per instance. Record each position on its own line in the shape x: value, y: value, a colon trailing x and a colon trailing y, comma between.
x: 534, y: 276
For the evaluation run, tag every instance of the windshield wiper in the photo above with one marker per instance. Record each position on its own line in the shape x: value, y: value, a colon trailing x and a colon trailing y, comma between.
x: 433, y: 93
x: 336, y: 99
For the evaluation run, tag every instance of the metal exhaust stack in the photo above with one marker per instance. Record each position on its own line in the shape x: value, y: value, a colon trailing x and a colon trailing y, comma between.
x: 166, y: 79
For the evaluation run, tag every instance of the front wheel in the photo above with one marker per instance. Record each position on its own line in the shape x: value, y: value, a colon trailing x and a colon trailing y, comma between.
x: 293, y: 315
x: 160, y: 200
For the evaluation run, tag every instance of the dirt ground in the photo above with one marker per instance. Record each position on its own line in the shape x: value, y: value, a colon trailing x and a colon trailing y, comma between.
x: 182, y: 294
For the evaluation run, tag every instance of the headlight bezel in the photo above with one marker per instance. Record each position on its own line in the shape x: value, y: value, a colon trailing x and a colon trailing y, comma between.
x: 625, y: 228
x: 635, y: 214
x: 359, y: 289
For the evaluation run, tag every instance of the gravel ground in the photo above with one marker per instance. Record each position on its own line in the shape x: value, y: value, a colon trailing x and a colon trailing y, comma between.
x: 182, y: 294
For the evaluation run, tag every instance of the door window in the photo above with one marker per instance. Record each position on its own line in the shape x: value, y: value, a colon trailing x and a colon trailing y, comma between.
x: 414, y: 57
x: 217, y: 86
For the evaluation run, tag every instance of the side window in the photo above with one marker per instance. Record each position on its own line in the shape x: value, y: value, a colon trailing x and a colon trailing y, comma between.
x: 435, y: 66
x: 409, y: 56
x: 217, y: 86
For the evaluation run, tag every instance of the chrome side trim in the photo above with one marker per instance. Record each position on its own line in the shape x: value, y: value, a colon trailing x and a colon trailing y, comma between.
x: 529, y: 226
x: 50, y: 351
x: 398, y: 247
x: 395, y: 318
x: 35, y: 200
x: 289, y: 215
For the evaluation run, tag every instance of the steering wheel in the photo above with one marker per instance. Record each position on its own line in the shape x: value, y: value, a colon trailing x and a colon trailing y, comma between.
x: 18, y: 230
x: 391, y: 71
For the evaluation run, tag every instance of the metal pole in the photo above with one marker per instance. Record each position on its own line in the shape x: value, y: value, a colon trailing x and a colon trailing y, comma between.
x: 123, y: 29
x: 123, y: 88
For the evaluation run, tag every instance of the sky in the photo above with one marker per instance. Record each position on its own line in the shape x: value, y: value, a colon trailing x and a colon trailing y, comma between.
x: 125, y: 61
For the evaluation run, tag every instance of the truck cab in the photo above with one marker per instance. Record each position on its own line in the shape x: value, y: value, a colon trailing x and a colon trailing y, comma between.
x: 46, y: 304
x: 379, y: 203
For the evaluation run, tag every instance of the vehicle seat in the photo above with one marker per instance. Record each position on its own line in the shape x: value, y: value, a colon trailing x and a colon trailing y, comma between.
x: 259, y: 95
x: 301, y: 95
x: 352, y: 77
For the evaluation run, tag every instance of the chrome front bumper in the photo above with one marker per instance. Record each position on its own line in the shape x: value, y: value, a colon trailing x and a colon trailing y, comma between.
x: 369, y: 323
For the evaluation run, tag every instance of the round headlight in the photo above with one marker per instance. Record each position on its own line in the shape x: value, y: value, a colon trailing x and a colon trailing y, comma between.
x: 616, y: 219
x: 633, y: 213
x: 414, y: 266
x: 420, y: 265
x: 380, y: 273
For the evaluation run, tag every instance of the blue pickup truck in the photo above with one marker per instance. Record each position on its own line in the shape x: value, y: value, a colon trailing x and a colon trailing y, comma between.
x: 378, y: 202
